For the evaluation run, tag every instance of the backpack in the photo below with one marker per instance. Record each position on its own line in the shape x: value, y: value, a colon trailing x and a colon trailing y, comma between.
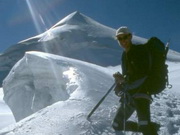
x: 157, y: 79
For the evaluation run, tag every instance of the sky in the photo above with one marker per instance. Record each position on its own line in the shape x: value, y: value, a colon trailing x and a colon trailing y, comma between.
x: 22, y: 19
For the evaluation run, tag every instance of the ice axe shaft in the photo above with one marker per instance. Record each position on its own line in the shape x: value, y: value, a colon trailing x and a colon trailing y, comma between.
x: 102, y: 99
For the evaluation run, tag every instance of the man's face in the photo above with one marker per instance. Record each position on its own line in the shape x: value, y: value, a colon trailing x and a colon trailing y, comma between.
x: 124, y: 40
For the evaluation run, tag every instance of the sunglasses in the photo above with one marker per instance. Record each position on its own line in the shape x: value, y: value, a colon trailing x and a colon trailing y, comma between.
x: 123, y: 37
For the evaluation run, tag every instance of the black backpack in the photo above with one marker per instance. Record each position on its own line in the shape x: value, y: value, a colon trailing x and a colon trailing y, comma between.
x: 157, y: 79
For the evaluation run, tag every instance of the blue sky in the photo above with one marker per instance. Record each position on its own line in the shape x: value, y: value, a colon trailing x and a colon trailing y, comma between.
x: 21, y: 19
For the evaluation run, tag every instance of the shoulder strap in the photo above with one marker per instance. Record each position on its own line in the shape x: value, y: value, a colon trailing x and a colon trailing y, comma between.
x: 123, y: 59
x: 150, y: 62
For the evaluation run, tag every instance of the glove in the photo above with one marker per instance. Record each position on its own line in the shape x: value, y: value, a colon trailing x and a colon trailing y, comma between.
x: 119, y: 78
x: 120, y: 89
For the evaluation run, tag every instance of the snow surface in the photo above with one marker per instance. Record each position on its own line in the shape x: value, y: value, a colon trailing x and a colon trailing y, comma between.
x: 86, y: 84
x: 52, y: 95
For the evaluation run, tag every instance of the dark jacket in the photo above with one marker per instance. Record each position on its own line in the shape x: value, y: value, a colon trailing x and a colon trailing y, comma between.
x: 135, y: 65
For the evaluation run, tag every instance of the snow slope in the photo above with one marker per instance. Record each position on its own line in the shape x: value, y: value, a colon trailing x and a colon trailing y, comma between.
x: 67, y: 117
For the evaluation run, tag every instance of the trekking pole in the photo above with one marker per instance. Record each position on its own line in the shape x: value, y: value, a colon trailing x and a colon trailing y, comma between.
x: 102, y: 99
x: 124, y: 120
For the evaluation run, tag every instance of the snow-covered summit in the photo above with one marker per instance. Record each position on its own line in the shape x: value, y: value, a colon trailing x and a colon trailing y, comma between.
x: 76, y: 18
x: 73, y: 22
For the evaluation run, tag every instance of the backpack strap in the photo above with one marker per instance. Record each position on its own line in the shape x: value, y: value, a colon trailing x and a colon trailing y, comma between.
x: 150, y: 62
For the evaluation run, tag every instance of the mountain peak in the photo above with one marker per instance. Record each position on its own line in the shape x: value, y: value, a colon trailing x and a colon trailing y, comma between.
x: 77, y: 17
x: 76, y: 13
x: 74, y: 18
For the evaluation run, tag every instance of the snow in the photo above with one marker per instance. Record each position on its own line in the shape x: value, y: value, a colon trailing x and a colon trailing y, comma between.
x: 51, y: 94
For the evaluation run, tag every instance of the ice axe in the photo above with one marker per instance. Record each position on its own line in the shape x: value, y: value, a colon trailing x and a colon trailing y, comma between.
x: 102, y: 99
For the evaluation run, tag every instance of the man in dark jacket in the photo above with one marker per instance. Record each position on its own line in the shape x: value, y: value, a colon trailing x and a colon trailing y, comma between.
x: 135, y: 68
